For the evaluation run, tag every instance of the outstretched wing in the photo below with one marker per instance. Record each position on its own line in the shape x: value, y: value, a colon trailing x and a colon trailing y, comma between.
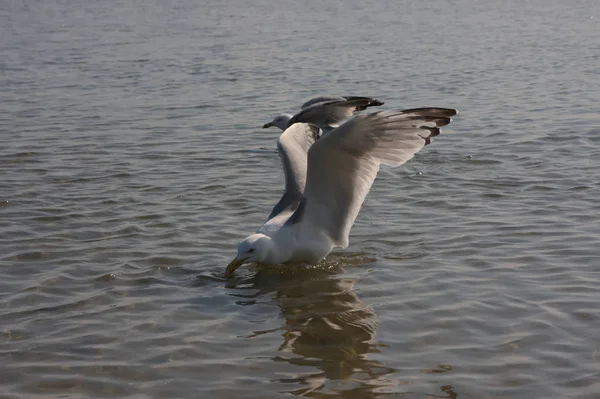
x: 326, y: 112
x: 293, y: 146
x: 321, y: 99
x: 343, y: 164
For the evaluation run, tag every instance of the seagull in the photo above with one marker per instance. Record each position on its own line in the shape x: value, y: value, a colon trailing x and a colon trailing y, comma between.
x: 325, y: 111
x: 328, y: 176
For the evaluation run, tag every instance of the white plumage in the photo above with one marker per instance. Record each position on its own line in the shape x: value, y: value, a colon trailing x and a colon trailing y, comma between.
x: 328, y: 178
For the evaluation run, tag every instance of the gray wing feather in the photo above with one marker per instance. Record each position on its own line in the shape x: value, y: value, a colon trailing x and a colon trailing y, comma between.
x: 293, y: 146
x: 343, y: 164
x: 326, y: 112
x: 321, y: 99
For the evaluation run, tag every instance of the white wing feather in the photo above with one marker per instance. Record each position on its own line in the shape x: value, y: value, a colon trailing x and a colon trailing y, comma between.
x: 293, y: 146
x: 343, y: 164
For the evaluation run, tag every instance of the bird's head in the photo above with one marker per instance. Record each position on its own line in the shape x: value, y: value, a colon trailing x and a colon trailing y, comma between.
x: 253, y: 249
x: 280, y: 121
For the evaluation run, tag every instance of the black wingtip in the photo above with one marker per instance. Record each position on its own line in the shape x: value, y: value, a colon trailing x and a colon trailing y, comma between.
x: 451, y: 112
x: 315, y: 131
x: 433, y: 131
x: 364, y: 102
x: 431, y: 111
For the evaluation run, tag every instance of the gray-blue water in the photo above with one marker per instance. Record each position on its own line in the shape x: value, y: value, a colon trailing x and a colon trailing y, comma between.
x: 132, y: 162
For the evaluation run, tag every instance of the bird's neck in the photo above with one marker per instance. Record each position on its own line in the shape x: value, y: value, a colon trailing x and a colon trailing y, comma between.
x: 284, y: 121
x: 280, y: 247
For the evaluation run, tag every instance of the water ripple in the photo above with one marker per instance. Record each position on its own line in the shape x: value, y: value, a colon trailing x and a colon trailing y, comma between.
x: 133, y: 161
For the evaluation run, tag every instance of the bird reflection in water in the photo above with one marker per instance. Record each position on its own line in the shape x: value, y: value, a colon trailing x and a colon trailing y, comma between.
x: 327, y: 328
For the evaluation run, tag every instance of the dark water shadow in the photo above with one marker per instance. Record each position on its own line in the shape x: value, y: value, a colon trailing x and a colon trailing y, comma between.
x: 327, y: 331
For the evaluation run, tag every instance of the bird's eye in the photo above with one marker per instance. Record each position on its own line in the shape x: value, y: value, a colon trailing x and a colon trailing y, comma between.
x: 251, y: 250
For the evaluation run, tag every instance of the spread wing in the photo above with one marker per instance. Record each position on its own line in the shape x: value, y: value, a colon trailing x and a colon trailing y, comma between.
x: 343, y: 164
x: 321, y: 99
x: 293, y: 146
x: 327, y: 112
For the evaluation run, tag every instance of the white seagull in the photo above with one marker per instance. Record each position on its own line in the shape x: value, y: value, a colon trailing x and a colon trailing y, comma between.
x: 327, y: 179
x: 325, y: 111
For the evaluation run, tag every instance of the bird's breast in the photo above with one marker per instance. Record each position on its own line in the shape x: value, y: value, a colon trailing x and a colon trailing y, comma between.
x: 311, y: 250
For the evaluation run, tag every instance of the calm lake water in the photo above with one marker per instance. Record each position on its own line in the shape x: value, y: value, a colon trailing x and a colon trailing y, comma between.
x: 132, y: 162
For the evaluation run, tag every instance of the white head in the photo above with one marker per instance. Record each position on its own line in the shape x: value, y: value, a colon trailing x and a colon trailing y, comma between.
x: 255, y: 248
x: 280, y: 121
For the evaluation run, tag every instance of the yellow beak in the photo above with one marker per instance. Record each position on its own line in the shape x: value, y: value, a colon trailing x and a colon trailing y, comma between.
x: 233, y: 266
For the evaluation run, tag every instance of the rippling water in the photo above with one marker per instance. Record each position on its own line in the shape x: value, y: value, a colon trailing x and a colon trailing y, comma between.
x: 132, y: 162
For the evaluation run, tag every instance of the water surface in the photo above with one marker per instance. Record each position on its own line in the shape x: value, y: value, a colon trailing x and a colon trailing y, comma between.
x: 132, y: 162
